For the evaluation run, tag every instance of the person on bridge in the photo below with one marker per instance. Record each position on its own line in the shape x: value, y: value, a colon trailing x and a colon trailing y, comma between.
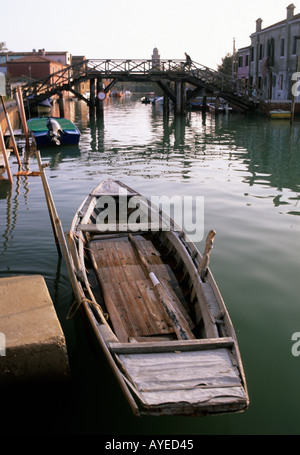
x: 188, y: 61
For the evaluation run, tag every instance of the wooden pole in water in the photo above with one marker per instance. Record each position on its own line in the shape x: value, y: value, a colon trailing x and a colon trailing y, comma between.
x: 2, y: 145
x: 11, y: 132
x: 49, y: 205
x: 21, y: 109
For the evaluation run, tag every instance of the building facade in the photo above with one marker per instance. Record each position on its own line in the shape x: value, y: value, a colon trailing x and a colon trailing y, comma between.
x: 270, y: 61
x: 33, y: 67
x: 63, y: 57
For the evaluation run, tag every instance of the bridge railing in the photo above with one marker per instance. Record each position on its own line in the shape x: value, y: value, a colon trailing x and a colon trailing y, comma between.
x: 54, y: 81
x: 219, y: 81
x: 135, y: 66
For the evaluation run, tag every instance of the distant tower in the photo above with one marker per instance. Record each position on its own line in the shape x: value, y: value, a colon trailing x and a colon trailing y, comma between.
x: 155, y: 58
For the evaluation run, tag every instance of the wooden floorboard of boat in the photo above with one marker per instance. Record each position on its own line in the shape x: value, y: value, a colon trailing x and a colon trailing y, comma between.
x: 196, y: 377
x: 133, y: 305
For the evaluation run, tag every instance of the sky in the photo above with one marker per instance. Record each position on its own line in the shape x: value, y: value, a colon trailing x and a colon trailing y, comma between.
x: 130, y: 29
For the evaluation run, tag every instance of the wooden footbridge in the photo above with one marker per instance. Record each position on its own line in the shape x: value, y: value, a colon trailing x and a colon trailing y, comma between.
x: 172, y: 76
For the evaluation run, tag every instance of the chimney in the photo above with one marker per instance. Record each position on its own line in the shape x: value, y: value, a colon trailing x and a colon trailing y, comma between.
x: 258, y: 25
x: 290, y: 12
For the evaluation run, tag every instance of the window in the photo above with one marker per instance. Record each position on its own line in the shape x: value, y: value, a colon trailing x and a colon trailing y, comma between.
x: 247, y: 60
x: 294, y: 45
x: 252, y: 54
x: 280, y: 82
x: 271, y: 50
x: 282, y: 47
x: 241, y: 62
x: 261, y: 51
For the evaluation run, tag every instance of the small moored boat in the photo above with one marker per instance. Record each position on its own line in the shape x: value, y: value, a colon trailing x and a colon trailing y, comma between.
x: 47, y: 131
x: 280, y: 114
x: 154, y: 307
x: 145, y: 100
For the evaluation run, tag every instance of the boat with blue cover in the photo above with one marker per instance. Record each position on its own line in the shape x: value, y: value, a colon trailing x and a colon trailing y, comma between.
x: 47, y: 131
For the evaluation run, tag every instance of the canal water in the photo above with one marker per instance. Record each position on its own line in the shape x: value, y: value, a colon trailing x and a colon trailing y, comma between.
x: 247, y: 168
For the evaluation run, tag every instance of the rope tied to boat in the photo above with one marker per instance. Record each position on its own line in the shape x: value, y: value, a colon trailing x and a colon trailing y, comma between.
x: 76, y: 304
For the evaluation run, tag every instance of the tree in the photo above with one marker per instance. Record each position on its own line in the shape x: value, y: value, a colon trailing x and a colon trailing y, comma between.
x: 3, y: 47
x: 226, y: 65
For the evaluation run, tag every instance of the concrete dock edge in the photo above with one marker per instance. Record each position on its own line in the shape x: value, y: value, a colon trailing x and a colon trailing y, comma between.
x: 32, y: 343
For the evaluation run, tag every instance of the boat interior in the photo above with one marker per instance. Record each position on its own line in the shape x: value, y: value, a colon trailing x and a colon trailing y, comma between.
x: 125, y: 292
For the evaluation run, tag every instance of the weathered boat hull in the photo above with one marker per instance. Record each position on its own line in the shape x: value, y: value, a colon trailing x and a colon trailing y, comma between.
x: 173, y: 353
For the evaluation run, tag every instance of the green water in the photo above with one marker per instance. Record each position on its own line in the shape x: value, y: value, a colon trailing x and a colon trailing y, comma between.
x: 248, y: 170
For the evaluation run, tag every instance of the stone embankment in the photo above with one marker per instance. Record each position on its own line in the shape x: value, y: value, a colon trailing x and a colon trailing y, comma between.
x: 32, y: 343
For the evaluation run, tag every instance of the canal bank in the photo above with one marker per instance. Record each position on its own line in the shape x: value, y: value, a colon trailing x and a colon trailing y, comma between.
x: 33, y: 344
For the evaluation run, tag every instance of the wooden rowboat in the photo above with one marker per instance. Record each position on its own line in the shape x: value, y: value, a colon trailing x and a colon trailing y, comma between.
x: 155, y: 309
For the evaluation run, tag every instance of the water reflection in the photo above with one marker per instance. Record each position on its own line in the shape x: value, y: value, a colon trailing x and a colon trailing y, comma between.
x: 9, y: 210
x: 139, y: 140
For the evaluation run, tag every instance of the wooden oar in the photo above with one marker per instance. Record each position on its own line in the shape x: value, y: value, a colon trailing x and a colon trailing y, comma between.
x: 203, y: 266
x: 180, y: 325
x: 77, y: 288
x: 50, y: 204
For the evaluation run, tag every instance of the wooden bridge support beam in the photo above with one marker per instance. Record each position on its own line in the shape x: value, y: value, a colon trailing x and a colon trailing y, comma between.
x: 166, y: 105
x: 92, y: 97
x: 180, y: 100
x: 217, y: 102
x: 168, y: 95
x: 99, y: 103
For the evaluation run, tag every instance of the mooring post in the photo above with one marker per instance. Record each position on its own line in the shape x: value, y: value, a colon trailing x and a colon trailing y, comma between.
x: 99, y: 102
x: 92, y: 96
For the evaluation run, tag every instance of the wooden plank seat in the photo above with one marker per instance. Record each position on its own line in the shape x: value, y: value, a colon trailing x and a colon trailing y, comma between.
x: 129, y: 295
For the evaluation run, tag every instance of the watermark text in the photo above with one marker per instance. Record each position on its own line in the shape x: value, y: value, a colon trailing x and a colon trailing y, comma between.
x: 136, y: 213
